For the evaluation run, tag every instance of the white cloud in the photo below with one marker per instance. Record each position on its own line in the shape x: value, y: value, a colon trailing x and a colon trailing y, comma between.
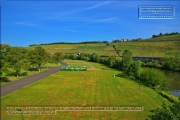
x: 105, y: 20
x: 90, y: 20
x: 59, y: 15
x: 27, y: 24
x: 98, y: 5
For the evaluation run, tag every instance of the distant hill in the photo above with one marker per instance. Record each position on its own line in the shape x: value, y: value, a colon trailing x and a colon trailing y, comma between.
x: 166, y: 38
x: 101, y: 48
x: 153, y: 47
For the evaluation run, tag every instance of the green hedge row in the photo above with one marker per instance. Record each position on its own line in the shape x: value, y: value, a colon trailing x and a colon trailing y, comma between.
x: 169, y: 96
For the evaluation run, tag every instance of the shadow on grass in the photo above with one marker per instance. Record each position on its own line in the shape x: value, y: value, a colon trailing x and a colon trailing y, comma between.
x: 4, y: 79
x: 122, y: 75
x: 11, y: 74
x: 14, y: 74
x: 33, y: 69
x: 105, y: 68
x: 23, y: 74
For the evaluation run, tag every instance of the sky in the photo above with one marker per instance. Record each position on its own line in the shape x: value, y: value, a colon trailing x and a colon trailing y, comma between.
x: 26, y: 22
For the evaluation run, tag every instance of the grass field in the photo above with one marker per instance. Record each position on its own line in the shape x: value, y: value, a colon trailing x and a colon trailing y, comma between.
x: 99, y: 48
x: 84, y: 88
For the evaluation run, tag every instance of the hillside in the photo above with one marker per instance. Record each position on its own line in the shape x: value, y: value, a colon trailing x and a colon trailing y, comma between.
x: 166, y: 38
x: 100, y: 48
x: 154, y: 47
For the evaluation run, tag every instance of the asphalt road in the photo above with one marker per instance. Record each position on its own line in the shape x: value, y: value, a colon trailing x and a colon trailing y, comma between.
x: 12, y: 86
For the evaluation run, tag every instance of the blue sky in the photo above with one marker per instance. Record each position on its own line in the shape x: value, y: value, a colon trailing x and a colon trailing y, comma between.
x: 35, y: 22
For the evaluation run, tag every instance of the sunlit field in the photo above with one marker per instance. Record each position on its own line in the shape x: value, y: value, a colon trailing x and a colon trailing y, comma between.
x: 84, y: 88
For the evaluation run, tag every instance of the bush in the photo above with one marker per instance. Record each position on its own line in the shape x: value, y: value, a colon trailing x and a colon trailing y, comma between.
x: 94, y: 57
x: 154, y: 64
x: 169, y: 96
x: 104, y: 61
x: 167, y: 112
x: 153, y: 78
x: 171, y: 63
x: 73, y: 57
x: 134, y: 70
x: 111, y: 61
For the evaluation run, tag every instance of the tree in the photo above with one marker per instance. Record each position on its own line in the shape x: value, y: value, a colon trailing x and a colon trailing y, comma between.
x: 137, y: 69
x: 153, y: 78
x: 118, y: 64
x: 130, y: 70
x: 58, y: 57
x: 104, y: 61
x: 73, y: 57
x: 15, y: 59
x: 171, y: 63
x: 26, y: 61
x: 83, y: 56
x: 126, y: 59
x: 154, y: 36
x: 160, y: 34
x: 38, y: 57
x: 3, y: 58
x: 94, y: 57
x: 48, y: 58
x: 111, y: 61
x: 134, y: 69
x: 166, y: 34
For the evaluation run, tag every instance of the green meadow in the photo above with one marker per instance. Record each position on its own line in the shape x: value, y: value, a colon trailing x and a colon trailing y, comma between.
x: 85, y: 88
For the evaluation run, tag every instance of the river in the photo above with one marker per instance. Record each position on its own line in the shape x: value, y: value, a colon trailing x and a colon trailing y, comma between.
x: 173, y: 81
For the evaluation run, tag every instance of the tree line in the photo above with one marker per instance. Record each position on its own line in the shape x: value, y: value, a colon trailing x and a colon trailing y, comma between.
x: 166, y: 63
x: 86, y: 42
x: 165, y: 34
x: 19, y: 58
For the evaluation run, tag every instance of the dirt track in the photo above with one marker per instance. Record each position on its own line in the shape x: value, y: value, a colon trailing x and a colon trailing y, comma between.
x: 12, y: 86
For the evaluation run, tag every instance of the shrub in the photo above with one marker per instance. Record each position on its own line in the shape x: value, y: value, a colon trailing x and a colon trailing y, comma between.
x: 169, y: 96
x: 153, y: 78
x: 167, y: 112
x: 171, y: 63
x: 94, y: 57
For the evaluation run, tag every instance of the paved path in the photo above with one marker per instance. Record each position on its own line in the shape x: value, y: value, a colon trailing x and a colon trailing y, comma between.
x: 12, y: 86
